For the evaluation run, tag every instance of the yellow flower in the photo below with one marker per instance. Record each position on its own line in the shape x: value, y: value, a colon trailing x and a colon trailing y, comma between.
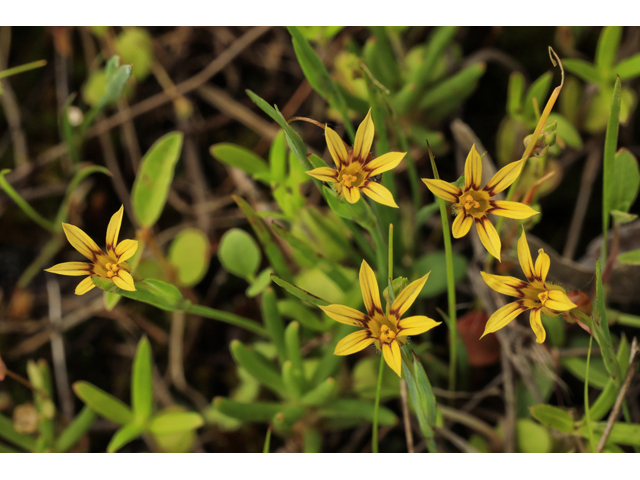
x: 355, y: 166
x: 471, y: 204
x: 387, y: 331
x: 536, y: 294
x: 110, y: 265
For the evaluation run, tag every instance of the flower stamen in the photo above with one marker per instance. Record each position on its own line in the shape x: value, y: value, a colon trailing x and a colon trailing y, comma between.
x: 349, y: 180
x: 543, y: 297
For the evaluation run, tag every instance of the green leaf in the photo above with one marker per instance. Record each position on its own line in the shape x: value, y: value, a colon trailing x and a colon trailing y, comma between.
x: 435, y: 263
x: 71, y: 435
x: 258, y: 367
x: 346, y: 412
x: 318, y: 76
x: 607, y: 49
x: 248, y: 412
x: 566, y: 131
x: 321, y: 394
x: 136, y: 47
x: 532, y: 438
x: 267, y: 442
x: 515, y: 92
x: 632, y: 257
x: 116, y: 79
x: 23, y: 204
x: 239, y: 253
x: 189, y: 253
x: 358, y: 212
x: 151, y: 186
x: 154, y: 292
x: 266, y: 239
x: 600, y: 328
x: 260, y: 284
x: 609, y: 160
x: 298, y: 292
x: 554, y: 417
x: 175, y: 422
x: 142, y: 382
x: 581, y: 69
x: 622, y: 433
x: 598, y: 376
x: 242, y: 158
x: 9, y: 433
x: 296, y: 145
x: 103, y: 403
x: 622, y: 217
x: 124, y: 435
x: 599, y: 408
x: 278, y: 159
x: 453, y: 89
x: 422, y: 398
x: 621, y: 186
x: 293, y: 352
x: 538, y: 90
x: 628, y: 68
x: 274, y: 323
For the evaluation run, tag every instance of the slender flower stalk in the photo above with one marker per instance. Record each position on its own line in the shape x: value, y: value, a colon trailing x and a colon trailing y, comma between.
x: 356, y: 167
x: 472, y: 203
x: 388, y: 332
x: 536, y: 294
x: 111, y: 265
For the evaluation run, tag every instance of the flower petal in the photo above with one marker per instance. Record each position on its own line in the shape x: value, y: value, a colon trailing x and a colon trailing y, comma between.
x: 337, y: 147
x: 73, y: 269
x: 416, y: 325
x: 126, y: 249
x: 507, y: 209
x: 364, y: 138
x: 384, y: 163
x: 324, y: 174
x: 536, y: 325
x: 503, y: 316
x: 351, y: 194
x: 84, y: 286
x: 82, y: 242
x: 524, y: 257
x: 354, y: 342
x: 542, y: 265
x: 506, y: 285
x: 113, y: 229
x: 473, y: 170
x: 443, y: 189
x: 488, y: 236
x: 461, y: 225
x: 504, y: 177
x: 392, y: 356
x: 369, y: 287
x: 406, y: 297
x: 559, y: 301
x: 346, y: 315
x: 379, y: 193
x: 124, y: 280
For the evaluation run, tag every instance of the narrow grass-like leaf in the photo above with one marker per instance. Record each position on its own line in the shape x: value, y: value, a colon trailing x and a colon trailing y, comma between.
x: 553, y: 417
x: 248, y: 412
x: 258, y: 367
x: 628, y: 68
x: 293, y: 350
x: 154, y: 292
x: 267, y: 441
x: 298, y: 292
x: 175, y: 422
x: 274, y: 323
x: 600, y: 328
x: 422, y: 397
x: 454, y: 88
x: 610, y: 145
x: 581, y: 69
x: 515, y: 91
x: 151, y: 186
x: 103, y: 403
x: 142, y: 382
x: 71, y: 435
x: 242, y: 158
x: 266, y: 239
x: 22, y: 68
x: 23, y: 204
x: 607, y: 397
x: 9, y: 433
x: 607, y: 49
x: 124, y: 435
x: 622, y: 433
x: 351, y: 410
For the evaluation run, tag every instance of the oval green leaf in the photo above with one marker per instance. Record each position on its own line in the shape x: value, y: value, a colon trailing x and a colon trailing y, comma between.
x: 239, y: 253
x: 103, y: 403
x: 189, y: 253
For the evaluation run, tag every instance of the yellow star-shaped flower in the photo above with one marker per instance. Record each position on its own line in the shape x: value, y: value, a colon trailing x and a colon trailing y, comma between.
x: 111, y: 265
x: 536, y: 294
x: 355, y: 166
x: 388, y: 332
x: 472, y: 203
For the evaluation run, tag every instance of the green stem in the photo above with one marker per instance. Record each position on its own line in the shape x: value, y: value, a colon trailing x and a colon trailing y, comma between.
x: 229, y: 318
x: 374, y: 433
x: 451, y: 286
x: 587, y: 415
x: 22, y: 203
x: 22, y: 68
